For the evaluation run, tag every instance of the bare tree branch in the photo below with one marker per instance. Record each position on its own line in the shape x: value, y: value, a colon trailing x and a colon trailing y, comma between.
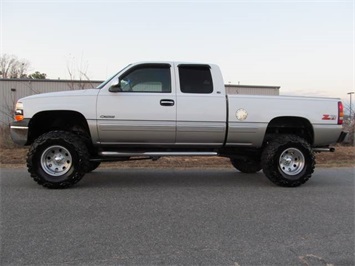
x: 77, y: 73
x: 12, y: 67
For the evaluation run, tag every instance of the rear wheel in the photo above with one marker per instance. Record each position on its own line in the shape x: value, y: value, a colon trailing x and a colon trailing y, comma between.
x: 247, y: 166
x: 58, y: 159
x: 288, y: 161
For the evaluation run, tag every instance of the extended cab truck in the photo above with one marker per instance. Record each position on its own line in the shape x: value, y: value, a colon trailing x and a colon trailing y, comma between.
x: 155, y: 109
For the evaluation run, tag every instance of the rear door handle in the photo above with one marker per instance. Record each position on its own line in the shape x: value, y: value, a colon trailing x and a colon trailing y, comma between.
x: 167, y: 102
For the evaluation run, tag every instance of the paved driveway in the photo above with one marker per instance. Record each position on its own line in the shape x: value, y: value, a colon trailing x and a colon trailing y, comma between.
x: 181, y: 217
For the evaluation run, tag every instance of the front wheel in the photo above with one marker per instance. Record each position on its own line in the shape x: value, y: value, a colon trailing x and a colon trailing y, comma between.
x: 288, y: 161
x: 58, y: 159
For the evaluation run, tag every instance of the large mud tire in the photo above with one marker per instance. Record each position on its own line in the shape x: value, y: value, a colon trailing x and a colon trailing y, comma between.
x: 58, y: 159
x: 288, y: 161
x: 247, y: 166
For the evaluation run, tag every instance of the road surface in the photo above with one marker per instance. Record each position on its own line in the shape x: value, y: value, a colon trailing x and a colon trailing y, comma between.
x: 180, y: 217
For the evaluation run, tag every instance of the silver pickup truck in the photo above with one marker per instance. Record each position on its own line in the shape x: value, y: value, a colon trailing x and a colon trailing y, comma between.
x: 154, y: 109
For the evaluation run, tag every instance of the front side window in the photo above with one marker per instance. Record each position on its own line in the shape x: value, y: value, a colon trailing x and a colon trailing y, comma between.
x: 147, y: 78
x: 195, y: 79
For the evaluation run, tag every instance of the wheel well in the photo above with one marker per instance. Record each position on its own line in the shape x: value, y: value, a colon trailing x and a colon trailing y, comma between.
x: 290, y: 125
x: 47, y: 121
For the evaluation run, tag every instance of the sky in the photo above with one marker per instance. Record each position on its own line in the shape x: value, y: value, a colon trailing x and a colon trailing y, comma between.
x: 305, y: 47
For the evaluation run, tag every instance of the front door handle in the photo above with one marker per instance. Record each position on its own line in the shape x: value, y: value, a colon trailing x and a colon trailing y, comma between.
x: 167, y: 102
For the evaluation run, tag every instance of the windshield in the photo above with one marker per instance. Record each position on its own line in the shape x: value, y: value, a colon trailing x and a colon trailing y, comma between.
x: 103, y: 84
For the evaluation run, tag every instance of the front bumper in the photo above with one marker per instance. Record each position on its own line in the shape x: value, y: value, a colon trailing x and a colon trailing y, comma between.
x: 19, y: 131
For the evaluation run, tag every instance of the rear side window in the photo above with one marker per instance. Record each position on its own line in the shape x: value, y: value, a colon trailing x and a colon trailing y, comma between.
x: 195, y: 79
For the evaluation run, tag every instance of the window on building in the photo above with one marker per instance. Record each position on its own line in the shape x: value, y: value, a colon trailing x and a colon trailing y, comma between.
x: 147, y: 78
x: 195, y: 79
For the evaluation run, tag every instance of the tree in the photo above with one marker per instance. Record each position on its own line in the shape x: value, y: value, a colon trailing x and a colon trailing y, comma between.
x: 78, y: 74
x: 349, y: 122
x: 37, y: 75
x: 12, y: 67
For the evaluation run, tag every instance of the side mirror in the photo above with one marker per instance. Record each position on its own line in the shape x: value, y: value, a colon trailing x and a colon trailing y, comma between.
x: 115, y: 86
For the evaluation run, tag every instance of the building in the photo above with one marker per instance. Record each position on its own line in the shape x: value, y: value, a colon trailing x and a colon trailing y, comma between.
x: 252, y: 90
x: 14, y: 89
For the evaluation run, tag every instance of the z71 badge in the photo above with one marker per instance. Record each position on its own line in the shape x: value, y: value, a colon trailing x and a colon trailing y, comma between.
x: 329, y: 117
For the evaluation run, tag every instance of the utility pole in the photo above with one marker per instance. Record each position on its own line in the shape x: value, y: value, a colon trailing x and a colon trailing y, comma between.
x: 351, y: 122
x: 351, y: 112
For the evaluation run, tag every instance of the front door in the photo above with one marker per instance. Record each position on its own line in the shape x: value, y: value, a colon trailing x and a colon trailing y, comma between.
x: 143, y: 112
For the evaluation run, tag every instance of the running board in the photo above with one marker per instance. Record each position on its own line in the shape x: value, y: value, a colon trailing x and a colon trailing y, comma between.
x: 154, y: 154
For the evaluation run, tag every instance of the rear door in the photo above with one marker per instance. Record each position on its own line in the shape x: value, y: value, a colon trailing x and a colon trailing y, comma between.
x: 143, y: 112
x: 201, y: 106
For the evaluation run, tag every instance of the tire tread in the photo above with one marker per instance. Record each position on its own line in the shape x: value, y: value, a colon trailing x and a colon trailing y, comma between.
x: 269, y: 162
x: 59, y: 135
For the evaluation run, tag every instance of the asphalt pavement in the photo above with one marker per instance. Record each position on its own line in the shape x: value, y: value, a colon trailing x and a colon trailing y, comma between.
x: 178, y: 217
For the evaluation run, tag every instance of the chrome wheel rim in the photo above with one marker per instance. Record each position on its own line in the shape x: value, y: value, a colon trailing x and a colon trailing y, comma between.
x: 56, y: 160
x: 292, y: 161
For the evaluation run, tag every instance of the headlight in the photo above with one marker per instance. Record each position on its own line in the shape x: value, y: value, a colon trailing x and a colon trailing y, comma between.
x: 19, y: 111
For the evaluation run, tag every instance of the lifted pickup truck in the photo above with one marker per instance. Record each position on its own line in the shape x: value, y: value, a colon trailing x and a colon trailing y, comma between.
x: 154, y: 109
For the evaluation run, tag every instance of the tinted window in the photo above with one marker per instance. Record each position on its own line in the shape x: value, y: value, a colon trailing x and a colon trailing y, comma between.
x: 195, y: 79
x: 147, y: 79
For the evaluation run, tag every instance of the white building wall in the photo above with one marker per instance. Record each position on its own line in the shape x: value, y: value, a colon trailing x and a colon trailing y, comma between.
x: 252, y: 90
